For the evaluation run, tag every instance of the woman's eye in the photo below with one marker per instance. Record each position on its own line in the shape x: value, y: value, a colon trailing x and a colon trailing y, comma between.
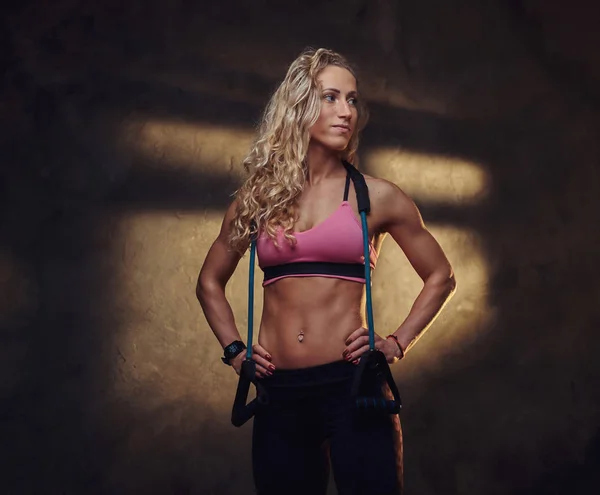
x: 353, y: 101
x: 329, y: 98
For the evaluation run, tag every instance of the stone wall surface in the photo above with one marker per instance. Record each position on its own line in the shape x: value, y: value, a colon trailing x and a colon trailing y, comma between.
x: 124, y: 125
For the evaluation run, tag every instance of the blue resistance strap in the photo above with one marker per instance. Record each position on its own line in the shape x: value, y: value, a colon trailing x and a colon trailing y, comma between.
x: 251, y: 298
x: 242, y: 411
x: 373, y: 362
x: 370, y: 323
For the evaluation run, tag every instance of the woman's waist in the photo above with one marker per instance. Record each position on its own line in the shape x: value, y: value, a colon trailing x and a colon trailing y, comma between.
x: 310, y: 326
x: 305, y: 324
x: 302, y: 340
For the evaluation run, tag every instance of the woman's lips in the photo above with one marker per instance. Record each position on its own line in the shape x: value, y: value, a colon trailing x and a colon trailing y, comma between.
x: 342, y: 128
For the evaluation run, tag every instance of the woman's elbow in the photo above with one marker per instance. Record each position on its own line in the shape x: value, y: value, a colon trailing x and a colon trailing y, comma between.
x: 199, y: 291
x: 445, y: 281
x: 448, y: 281
x: 205, y: 286
x: 451, y: 285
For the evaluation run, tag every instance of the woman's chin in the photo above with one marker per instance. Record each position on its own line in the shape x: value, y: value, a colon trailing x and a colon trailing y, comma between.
x: 334, y: 145
x: 338, y: 146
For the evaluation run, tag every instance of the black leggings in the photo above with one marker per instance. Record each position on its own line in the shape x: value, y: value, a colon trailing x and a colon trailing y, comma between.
x: 311, y: 423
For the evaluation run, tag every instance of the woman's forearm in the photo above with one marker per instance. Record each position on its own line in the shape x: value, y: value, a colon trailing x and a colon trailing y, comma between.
x: 217, y: 311
x: 435, y: 294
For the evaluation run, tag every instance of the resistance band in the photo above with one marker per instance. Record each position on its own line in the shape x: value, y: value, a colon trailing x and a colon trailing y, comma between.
x: 371, y: 362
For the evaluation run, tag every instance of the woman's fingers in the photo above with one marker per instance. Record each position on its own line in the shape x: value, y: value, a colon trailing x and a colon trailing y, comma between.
x: 354, y: 355
x: 357, y: 333
x: 262, y: 358
x: 357, y: 344
x: 355, y: 341
x: 261, y: 351
x: 262, y: 370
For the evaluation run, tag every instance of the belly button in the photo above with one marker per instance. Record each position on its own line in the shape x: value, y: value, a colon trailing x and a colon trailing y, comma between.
x: 301, y: 336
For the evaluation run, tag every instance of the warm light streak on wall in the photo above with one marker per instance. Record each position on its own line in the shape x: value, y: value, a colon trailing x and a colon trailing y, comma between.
x: 165, y: 343
x: 172, y: 143
x: 436, y: 180
x: 396, y: 286
x: 430, y: 178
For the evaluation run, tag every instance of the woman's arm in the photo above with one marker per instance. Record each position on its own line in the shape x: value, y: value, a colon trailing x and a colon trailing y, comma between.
x: 402, y: 220
x: 219, y: 265
x: 394, y: 212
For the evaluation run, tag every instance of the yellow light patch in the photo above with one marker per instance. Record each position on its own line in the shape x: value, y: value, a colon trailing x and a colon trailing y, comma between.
x: 175, y: 144
x: 430, y: 178
x: 396, y: 286
x: 164, y: 340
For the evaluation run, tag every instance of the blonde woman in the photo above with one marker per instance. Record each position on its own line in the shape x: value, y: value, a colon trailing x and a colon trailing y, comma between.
x: 300, y: 200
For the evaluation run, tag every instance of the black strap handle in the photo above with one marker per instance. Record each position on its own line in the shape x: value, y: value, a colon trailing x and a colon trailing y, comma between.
x: 242, y: 412
x: 374, y: 366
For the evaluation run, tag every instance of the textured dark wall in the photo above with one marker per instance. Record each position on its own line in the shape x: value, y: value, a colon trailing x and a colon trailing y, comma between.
x: 123, y: 126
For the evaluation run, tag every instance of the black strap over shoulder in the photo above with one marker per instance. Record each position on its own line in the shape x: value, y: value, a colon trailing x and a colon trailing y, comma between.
x: 360, y: 185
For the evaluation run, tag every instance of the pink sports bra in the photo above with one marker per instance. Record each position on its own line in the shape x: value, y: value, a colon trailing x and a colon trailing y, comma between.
x: 332, y: 249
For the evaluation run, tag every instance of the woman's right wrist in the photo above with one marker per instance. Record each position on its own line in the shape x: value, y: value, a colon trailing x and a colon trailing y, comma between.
x: 232, y: 351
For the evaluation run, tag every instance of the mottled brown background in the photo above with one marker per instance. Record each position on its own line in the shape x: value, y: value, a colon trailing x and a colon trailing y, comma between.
x: 123, y: 124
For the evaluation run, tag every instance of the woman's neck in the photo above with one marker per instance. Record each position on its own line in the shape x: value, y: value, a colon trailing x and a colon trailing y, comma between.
x: 321, y: 163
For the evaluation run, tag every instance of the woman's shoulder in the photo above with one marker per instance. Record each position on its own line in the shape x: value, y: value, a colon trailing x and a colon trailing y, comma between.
x: 384, y: 190
x: 390, y: 205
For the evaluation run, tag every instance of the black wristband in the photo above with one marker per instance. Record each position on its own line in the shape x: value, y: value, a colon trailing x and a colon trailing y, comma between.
x: 232, y: 350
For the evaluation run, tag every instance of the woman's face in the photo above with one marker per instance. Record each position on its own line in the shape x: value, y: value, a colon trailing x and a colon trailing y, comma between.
x: 339, y: 114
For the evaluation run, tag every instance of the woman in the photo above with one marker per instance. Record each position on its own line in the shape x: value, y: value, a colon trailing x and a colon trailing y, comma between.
x: 300, y: 202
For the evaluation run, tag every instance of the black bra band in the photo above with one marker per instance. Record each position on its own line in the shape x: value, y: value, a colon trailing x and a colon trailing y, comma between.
x: 354, y: 270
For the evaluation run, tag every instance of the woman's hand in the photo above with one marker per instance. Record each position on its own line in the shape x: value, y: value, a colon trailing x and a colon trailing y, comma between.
x: 357, y: 344
x: 261, y: 357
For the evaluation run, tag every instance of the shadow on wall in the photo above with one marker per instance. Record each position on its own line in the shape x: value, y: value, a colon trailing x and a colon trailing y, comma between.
x: 577, y: 477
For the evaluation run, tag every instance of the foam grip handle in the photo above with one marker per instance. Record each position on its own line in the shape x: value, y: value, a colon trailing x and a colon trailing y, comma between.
x: 378, y: 404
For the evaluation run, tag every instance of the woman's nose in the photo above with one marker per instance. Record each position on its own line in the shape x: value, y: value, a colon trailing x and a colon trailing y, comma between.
x: 344, y: 109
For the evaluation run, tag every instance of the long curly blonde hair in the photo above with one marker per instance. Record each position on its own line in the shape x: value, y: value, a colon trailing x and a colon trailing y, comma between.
x: 276, y: 162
